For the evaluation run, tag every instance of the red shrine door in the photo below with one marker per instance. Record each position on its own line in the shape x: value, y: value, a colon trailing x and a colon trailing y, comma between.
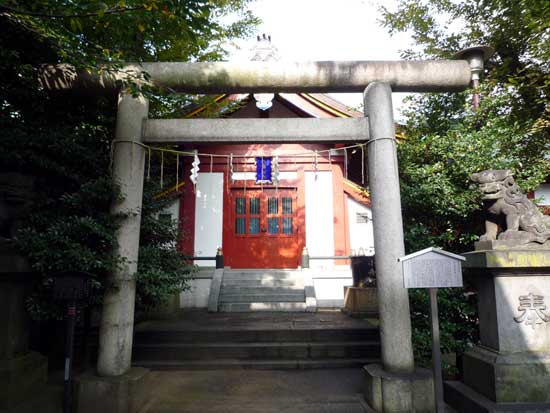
x: 263, y: 229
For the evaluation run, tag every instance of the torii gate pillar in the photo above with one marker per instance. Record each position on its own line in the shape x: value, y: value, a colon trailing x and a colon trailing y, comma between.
x: 395, y: 386
x: 117, y: 320
x: 118, y: 387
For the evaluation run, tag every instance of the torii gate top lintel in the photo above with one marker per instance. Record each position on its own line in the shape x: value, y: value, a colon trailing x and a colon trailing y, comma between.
x: 259, y: 77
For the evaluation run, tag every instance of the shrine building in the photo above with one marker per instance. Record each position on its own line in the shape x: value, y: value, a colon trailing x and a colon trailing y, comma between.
x: 263, y: 204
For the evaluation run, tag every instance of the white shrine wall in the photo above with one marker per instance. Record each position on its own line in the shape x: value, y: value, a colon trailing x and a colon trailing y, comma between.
x: 319, y: 217
x: 208, y: 237
x: 208, y: 216
x: 360, y: 228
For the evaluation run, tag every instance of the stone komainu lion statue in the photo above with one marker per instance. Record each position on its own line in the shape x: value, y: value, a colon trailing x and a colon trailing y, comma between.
x: 506, y: 205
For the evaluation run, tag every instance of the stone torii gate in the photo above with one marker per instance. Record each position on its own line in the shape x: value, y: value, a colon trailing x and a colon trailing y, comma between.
x: 393, y: 387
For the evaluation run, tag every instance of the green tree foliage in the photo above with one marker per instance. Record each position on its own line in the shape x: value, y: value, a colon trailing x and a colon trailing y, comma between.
x: 457, y: 324
x: 447, y: 140
x: 162, y: 271
x: 445, y: 145
x: 91, y: 32
x: 64, y: 141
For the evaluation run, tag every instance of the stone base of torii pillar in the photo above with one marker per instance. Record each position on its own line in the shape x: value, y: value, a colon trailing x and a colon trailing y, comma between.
x: 510, y: 369
x: 398, y: 392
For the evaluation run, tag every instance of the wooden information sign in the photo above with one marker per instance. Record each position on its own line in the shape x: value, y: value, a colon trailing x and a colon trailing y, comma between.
x: 432, y: 268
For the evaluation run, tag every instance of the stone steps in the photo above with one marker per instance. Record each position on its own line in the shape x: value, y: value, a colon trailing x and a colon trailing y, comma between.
x: 262, y: 290
x: 231, y: 289
x: 256, y: 351
x: 240, y: 335
x: 266, y: 283
x: 251, y: 340
x: 262, y: 276
x: 241, y: 307
x: 229, y: 364
x: 259, y: 273
x: 263, y: 297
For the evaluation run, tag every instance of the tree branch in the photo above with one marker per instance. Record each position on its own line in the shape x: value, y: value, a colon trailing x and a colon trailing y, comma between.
x: 68, y: 16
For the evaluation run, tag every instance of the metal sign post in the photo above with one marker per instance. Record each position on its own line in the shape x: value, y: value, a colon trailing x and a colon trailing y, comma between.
x: 69, y: 350
x: 433, y: 268
x: 436, y: 352
x: 70, y: 287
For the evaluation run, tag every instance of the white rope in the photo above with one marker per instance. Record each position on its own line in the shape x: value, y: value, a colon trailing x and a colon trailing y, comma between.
x: 177, y: 170
x: 231, y: 169
x: 228, y: 178
x: 362, y: 164
x: 275, y: 171
x: 315, y: 166
x: 149, y: 165
x: 381, y: 138
x: 373, y: 141
x: 346, y: 163
x: 161, y: 170
x: 286, y: 154
x: 230, y: 157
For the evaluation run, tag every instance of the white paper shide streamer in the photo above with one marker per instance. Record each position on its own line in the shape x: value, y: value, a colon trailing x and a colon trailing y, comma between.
x: 275, y: 171
x: 195, y: 168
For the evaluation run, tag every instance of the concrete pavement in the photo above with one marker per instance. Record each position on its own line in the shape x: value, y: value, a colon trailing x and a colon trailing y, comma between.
x: 292, y: 391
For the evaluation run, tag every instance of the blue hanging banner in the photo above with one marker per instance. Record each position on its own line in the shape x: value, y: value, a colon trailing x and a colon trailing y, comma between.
x: 263, y: 170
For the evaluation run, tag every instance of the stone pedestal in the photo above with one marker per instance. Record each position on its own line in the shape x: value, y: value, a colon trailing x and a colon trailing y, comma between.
x: 21, y: 378
x: 22, y: 373
x: 399, y: 392
x: 360, y: 302
x: 126, y: 393
x: 510, y: 369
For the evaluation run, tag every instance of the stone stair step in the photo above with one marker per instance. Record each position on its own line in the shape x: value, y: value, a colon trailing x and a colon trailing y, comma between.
x: 263, y: 340
x: 263, y: 270
x: 221, y: 364
x: 263, y: 283
x: 273, y: 404
x: 256, y: 351
x: 263, y: 298
x: 261, y: 276
x: 239, y: 335
x: 261, y: 290
x: 262, y: 306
